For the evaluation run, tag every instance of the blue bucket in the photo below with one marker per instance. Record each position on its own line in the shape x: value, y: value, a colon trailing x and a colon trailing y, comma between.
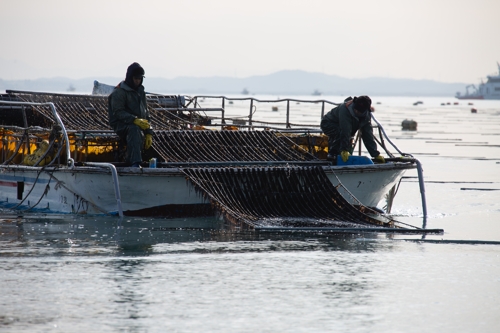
x: 354, y: 160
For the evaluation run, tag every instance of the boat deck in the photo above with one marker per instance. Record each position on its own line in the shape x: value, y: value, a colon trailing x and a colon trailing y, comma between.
x: 254, y: 179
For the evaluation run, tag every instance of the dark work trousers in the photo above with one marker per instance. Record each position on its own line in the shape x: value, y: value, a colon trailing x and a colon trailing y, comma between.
x: 134, y: 137
x: 333, y: 133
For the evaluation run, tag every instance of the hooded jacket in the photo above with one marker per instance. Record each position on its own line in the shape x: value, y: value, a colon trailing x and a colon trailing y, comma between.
x: 125, y: 103
x: 343, y: 121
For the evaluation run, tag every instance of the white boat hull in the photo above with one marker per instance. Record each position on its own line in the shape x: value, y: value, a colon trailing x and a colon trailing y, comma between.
x: 367, y: 184
x: 154, y: 192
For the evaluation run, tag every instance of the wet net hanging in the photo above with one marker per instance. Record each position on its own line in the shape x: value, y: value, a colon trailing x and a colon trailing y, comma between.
x: 279, y: 196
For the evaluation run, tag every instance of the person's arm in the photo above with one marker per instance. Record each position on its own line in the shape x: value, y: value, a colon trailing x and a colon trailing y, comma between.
x: 368, y: 139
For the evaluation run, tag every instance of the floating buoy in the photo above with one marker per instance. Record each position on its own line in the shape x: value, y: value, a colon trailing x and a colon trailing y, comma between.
x: 275, y: 108
x: 456, y: 103
x: 409, y: 125
x: 473, y: 110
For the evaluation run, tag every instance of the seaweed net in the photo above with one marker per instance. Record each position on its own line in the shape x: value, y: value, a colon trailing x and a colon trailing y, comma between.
x: 226, y: 146
x: 279, y: 196
x: 174, y: 141
x: 90, y: 112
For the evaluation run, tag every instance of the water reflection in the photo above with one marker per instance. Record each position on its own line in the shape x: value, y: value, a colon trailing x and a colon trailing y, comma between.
x: 39, y: 235
x: 145, y: 272
x: 214, y: 285
x: 126, y: 277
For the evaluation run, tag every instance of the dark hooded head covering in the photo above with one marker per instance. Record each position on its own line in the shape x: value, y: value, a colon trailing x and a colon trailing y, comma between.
x: 134, y: 70
x: 362, y: 104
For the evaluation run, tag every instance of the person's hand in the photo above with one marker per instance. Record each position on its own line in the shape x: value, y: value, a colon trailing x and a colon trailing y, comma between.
x: 379, y: 159
x: 345, y: 155
x: 148, y: 141
x: 142, y: 123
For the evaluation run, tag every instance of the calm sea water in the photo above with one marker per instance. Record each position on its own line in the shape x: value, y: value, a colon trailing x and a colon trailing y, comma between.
x: 81, y: 274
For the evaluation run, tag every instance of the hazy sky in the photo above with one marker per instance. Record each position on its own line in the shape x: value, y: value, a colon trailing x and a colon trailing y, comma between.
x: 442, y: 40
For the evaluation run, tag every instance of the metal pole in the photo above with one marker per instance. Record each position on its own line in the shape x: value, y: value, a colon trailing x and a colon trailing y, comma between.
x: 116, y: 183
x: 223, y: 108
x: 422, y: 189
x: 250, y: 115
x: 27, y: 151
x: 287, y: 113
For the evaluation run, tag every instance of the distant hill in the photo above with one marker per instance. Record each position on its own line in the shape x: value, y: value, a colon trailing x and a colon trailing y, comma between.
x: 288, y: 82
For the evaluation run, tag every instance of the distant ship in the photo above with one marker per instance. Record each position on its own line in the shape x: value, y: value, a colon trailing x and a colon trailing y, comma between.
x: 488, y: 90
x: 316, y: 93
x: 244, y: 92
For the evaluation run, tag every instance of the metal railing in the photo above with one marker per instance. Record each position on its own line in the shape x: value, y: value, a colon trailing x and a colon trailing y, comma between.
x: 252, y: 108
x: 69, y: 161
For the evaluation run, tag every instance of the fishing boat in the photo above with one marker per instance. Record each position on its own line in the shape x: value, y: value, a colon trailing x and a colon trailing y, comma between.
x: 59, y: 156
x: 488, y: 90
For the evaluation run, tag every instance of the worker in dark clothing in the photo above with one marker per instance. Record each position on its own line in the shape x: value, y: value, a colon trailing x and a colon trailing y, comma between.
x: 341, y: 124
x: 128, y: 114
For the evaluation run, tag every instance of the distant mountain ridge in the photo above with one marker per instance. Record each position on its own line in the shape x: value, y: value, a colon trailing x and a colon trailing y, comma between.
x: 286, y: 82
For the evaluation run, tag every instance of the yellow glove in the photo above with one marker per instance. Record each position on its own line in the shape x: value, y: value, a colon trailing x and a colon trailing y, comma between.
x: 142, y: 123
x: 345, y: 155
x: 379, y: 159
x: 148, y: 141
